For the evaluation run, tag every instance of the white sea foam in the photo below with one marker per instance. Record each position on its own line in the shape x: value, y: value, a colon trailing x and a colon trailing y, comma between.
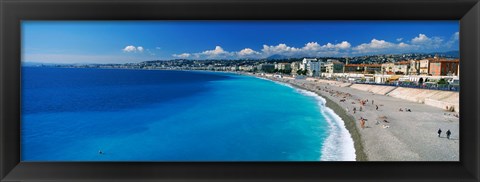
x: 338, y: 146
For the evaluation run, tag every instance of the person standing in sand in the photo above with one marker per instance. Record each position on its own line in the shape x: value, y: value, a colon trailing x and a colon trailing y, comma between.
x: 448, y: 134
x: 376, y: 107
x: 362, y: 123
x: 439, y: 132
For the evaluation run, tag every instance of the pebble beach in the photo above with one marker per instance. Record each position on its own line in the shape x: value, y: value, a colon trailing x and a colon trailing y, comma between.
x: 385, y: 128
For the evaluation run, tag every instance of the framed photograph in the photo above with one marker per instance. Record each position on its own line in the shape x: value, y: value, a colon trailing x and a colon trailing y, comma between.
x: 239, y: 90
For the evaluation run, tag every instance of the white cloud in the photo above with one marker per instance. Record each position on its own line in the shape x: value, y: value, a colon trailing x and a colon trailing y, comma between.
x: 183, y: 55
x: 425, y: 42
x: 381, y: 46
x: 217, y: 51
x: 247, y: 52
x: 403, y: 45
x: 158, y: 48
x: 343, y: 45
x: 310, y: 49
x: 422, y: 38
x: 279, y: 49
x: 313, y: 46
x: 453, y: 40
x: 374, y: 46
x: 456, y: 35
x: 422, y: 42
x: 130, y: 48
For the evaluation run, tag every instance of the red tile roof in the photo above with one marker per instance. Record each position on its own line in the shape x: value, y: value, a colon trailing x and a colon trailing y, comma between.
x: 443, y: 60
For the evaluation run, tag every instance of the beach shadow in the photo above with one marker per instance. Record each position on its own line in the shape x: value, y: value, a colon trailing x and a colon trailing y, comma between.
x: 450, y: 138
x: 453, y: 138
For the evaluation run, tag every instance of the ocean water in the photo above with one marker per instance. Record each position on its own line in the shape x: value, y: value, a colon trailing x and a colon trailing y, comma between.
x: 70, y: 114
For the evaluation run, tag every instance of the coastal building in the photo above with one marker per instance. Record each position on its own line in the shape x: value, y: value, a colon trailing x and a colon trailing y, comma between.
x: 372, y: 68
x: 266, y: 67
x: 210, y: 67
x: 332, y: 67
x: 295, y: 66
x: 283, y: 66
x: 414, y: 68
x: 363, y: 68
x: 352, y: 68
x: 246, y: 68
x: 314, y: 68
x: 234, y: 68
x: 387, y: 68
x: 424, y: 66
x: 305, y: 61
x: 439, y: 67
x: 401, y: 68
x: 312, y: 65
x: 443, y: 67
x: 396, y: 68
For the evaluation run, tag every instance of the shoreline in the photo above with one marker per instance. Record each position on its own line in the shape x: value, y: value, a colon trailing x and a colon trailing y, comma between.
x: 348, y: 120
x: 389, y: 133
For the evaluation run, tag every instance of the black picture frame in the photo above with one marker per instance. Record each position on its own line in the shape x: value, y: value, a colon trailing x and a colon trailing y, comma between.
x: 12, y: 12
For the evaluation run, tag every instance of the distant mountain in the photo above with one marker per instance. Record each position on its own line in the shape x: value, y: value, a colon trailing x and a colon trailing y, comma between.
x: 277, y: 57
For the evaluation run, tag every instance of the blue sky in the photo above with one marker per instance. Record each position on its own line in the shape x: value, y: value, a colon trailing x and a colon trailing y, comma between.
x: 135, y: 41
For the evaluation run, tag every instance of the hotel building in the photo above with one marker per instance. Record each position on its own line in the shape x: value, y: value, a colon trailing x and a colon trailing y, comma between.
x: 444, y: 67
x: 363, y: 68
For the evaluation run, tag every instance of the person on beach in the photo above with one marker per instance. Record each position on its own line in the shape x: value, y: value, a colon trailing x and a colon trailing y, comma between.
x: 439, y: 132
x: 376, y: 107
x: 354, y: 110
x: 360, y: 108
x: 448, y: 134
x: 362, y: 123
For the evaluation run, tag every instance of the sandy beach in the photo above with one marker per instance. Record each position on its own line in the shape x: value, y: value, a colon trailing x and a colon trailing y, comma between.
x: 388, y: 134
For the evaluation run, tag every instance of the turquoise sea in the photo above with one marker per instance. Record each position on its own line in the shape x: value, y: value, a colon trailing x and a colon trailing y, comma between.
x: 70, y: 114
